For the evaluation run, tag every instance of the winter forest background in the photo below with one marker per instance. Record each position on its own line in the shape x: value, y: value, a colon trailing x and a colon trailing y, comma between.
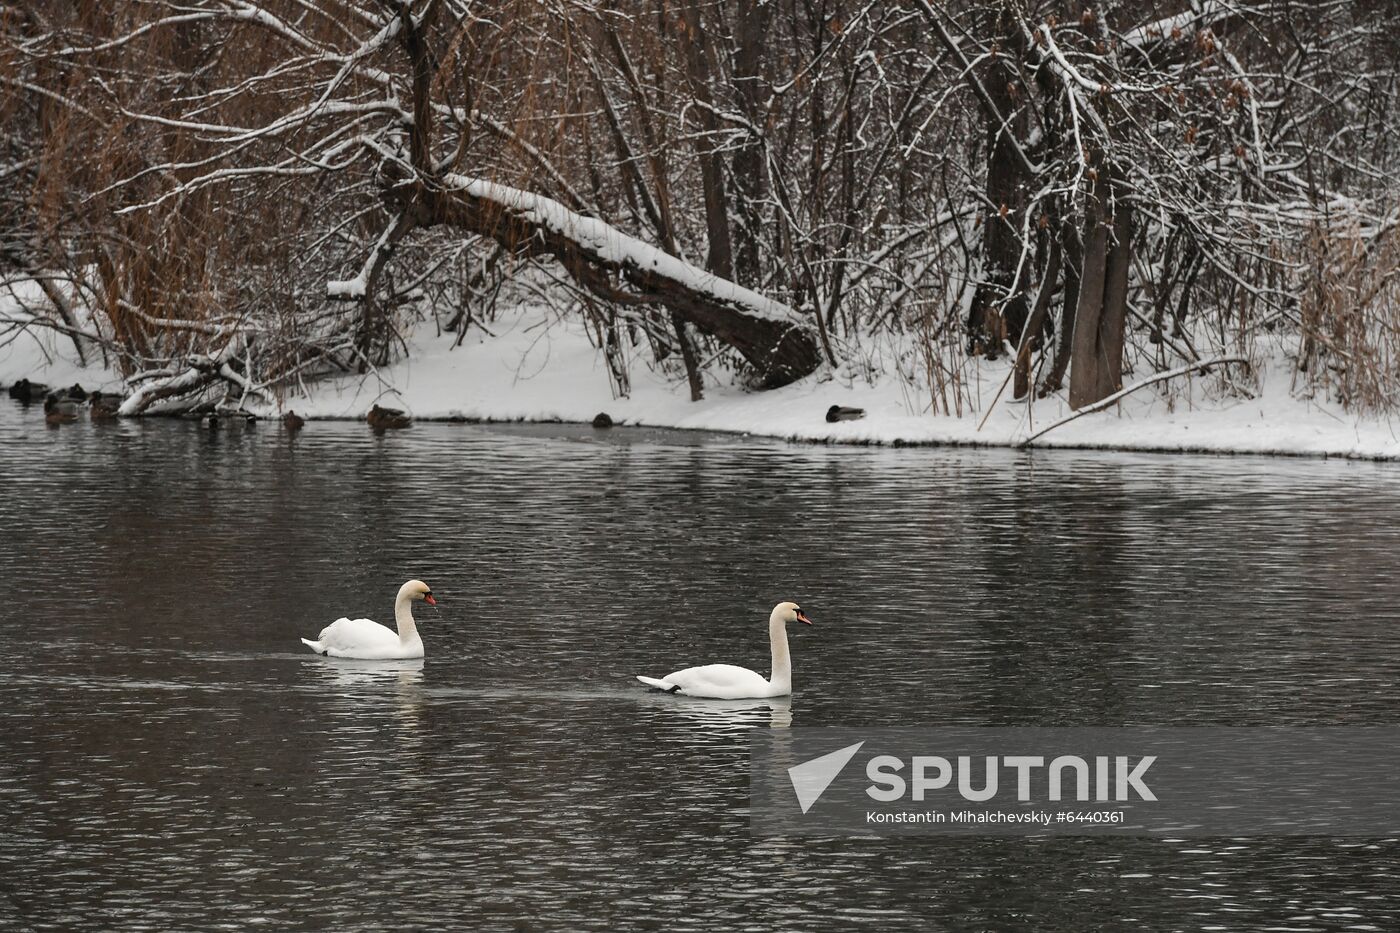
x: 219, y: 192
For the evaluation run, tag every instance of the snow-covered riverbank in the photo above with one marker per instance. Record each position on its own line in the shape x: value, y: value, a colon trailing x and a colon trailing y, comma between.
x: 537, y: 368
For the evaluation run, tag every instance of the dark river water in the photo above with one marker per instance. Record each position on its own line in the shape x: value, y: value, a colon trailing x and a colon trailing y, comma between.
x: 172, y: 758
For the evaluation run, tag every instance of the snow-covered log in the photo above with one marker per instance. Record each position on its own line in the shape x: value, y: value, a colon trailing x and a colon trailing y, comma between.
x: 167, y: 384
x: 198, y: 372
x: 779, y: 343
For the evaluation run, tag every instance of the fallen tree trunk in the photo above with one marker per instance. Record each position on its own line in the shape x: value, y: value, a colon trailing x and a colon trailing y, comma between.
x: 197, y: 373
x: 780, y: 344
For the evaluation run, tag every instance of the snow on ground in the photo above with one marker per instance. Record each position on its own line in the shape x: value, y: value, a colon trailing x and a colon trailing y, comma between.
x: 535, y: 367
x: 538, y: 369
x: 43, y: 355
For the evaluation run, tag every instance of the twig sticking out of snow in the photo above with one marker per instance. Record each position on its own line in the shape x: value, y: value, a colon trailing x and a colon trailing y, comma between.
x: 1103, y: 403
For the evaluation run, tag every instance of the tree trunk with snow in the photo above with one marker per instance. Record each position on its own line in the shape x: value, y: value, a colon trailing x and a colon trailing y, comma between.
x: 780, y: 345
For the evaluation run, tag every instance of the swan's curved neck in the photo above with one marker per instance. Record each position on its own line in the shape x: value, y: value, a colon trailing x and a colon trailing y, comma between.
x: 403, y: 616
x: 782, y: 661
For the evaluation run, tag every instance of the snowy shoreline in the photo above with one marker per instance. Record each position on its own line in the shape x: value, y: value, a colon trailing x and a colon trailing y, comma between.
x: 894, y: 443
x: 535, y: 368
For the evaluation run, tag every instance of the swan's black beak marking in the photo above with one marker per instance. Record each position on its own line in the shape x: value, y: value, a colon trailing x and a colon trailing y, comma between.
x: 428, y: 598
x: 802, y: 617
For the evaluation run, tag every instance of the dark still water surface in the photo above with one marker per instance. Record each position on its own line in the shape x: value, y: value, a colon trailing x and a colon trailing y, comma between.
x: 172, y: 758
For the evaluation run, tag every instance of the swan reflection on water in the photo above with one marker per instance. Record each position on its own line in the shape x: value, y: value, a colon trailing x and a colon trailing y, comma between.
x: 348, y: 672
x: 368, y: 684
x: 725, y: 715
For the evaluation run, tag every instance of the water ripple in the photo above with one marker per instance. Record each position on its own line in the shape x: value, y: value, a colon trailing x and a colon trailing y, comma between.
x: 176, y: 761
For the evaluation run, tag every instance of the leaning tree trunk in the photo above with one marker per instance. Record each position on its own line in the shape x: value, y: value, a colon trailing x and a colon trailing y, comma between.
x: 1038, y: 326
x: 779, y: 344
x: 1073, y: 262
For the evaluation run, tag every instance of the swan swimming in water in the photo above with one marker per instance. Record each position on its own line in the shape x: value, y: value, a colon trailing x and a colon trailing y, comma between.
x: 728, y: 682
x: 370, y: 641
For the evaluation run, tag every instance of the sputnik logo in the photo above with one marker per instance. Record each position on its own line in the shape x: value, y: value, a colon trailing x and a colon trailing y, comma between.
x: 811, y: 778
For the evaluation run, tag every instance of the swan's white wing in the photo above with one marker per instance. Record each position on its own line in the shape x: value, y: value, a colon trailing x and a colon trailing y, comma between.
x: 715, y: 681
x: 359, y: 638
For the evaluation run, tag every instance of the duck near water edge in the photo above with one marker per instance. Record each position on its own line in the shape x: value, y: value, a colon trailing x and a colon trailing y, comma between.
x: 386, y: 419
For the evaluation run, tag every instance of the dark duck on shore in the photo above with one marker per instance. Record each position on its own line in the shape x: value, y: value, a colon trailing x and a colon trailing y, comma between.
x: 59, y: 409
x: 842, y: 413
x: 384, y: 419
x: 25, y: 391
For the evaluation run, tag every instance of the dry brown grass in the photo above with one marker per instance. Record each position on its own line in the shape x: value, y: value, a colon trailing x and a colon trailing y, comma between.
x: 1349, y: 307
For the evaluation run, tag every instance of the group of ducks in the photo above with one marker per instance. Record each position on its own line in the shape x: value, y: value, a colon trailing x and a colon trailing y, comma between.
x: 64, y: 406
x: 382, y: 419
x: 379, y: 419
x: 364, y: 639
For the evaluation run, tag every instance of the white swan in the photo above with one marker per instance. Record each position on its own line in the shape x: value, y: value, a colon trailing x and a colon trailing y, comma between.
x: 727, y: 682
x: 367, y: 640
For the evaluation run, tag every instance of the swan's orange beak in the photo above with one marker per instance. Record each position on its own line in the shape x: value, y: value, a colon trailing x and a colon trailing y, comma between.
x: 802, y: 617
x: 428, y: 598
